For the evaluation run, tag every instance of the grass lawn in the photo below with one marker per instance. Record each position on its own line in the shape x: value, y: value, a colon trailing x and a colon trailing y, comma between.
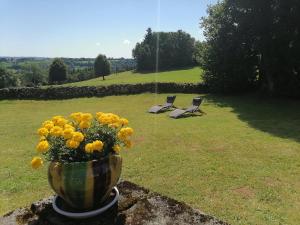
x: 179, y: 76
x: 240, y: 162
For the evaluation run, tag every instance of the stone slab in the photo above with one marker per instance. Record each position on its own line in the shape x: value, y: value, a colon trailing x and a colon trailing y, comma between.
x: 136, y: 206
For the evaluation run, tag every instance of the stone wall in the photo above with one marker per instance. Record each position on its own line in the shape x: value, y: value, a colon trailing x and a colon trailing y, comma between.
x: 99, y: 91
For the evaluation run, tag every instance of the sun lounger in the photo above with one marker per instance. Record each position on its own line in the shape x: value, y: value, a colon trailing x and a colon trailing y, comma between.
x: 189, y: 111
x: 161, y: 108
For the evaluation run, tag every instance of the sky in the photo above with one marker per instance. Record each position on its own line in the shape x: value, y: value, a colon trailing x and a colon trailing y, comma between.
x: 85, y: 28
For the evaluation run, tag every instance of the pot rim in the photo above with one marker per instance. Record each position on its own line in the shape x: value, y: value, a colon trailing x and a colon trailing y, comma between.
x: 84, y: 162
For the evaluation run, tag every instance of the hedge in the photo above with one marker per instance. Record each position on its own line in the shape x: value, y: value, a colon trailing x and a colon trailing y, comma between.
x: 99, y: 91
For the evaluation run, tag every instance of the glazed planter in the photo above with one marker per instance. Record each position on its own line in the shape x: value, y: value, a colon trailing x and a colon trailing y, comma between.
x: 85, y: 185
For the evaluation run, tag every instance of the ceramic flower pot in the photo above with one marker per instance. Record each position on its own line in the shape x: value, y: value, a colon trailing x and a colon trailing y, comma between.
x: 85, y: 185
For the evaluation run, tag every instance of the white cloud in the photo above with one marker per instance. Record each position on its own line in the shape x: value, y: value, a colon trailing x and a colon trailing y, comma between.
x: 98, y: 44
x: 126, y: 42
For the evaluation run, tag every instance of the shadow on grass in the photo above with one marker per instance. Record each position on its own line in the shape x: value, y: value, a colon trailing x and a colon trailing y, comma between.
x: 190, y: 115
x: 279, y: 117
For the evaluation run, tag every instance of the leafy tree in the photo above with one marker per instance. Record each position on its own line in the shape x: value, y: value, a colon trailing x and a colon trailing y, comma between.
x: 101, y: 66
x: 253, y: 44
x: 8, y: 79
x: 227, y: 64
x: 198, y: 53
x: 164, y: 50
x: 57, y: 71
x: 33, y: 75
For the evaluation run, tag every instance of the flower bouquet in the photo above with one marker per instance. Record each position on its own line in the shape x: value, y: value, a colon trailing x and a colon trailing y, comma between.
x: 83, y: 151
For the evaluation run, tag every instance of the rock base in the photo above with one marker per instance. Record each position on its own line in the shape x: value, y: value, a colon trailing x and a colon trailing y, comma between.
x: 136, y: 206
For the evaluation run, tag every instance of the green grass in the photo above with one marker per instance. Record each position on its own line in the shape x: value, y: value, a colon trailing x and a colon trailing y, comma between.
x: 240, y: 162
x: 179, y: 76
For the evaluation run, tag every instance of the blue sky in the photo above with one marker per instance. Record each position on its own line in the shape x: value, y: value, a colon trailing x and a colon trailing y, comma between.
x: 85, y: 28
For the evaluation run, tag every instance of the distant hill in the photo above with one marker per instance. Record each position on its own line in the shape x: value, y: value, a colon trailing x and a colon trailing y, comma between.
x: 17, y: 63
x: 192, y: 75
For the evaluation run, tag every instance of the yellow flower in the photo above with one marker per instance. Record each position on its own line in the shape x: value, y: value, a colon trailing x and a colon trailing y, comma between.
x: 107, y: 118
x: 68, y: 133
x: 77, y: 136
x: 71, y: 143
x: 124, y: 122
x: 86, y: 117
x: 97, y: 145
x: 89, y: 148
x: 128, y: 143
x: 43, y: 131
x: 61, y: 122
x: 36, y: 162
x: 121, y: 136
x: 68, y: 126
x: 56, y: 119
x: 129, y: 131
x: 117, y: 149
x: 103, y: 119
x: 113, y: 118
x: 42, y: 146
x: 84, y: 124
x: 56, y: 131
x: 98, y: 114
x: 48, y: 124
x: 42, y: 138
x: 76, y: 116
x: 124, y: 133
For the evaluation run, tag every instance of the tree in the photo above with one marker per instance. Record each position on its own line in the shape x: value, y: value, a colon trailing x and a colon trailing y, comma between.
x: 164, y: 50
x: 57, y: 71
x: 198, y: 53
x: 7, y: 79
x: 253, y: 44
x: 33, y: 75
x: 101, y: 66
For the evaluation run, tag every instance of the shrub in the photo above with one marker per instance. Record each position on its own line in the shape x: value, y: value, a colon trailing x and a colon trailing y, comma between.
x: 7, y: 79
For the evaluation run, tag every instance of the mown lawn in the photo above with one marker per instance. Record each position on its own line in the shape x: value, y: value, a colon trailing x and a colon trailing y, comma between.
x: 192, y: 75
x: 240, y: 162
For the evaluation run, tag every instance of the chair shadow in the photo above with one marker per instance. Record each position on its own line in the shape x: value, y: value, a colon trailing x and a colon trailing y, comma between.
x: 278, y: 117
x: 189, y: 115
x: 163, y: 111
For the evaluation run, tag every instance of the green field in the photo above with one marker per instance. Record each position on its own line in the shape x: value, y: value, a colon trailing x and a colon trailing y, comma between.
x: 130, y: 77
x: 240, y: 162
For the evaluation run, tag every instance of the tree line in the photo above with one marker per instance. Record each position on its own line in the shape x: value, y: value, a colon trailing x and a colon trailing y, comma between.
x: 18, y: 71
x: 58, y: 69
x: 164, y: 51
x: 252, y: 45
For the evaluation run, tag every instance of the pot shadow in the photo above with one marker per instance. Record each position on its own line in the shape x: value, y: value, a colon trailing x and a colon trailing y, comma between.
x: 278, y: 117
x: 48, y: 216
